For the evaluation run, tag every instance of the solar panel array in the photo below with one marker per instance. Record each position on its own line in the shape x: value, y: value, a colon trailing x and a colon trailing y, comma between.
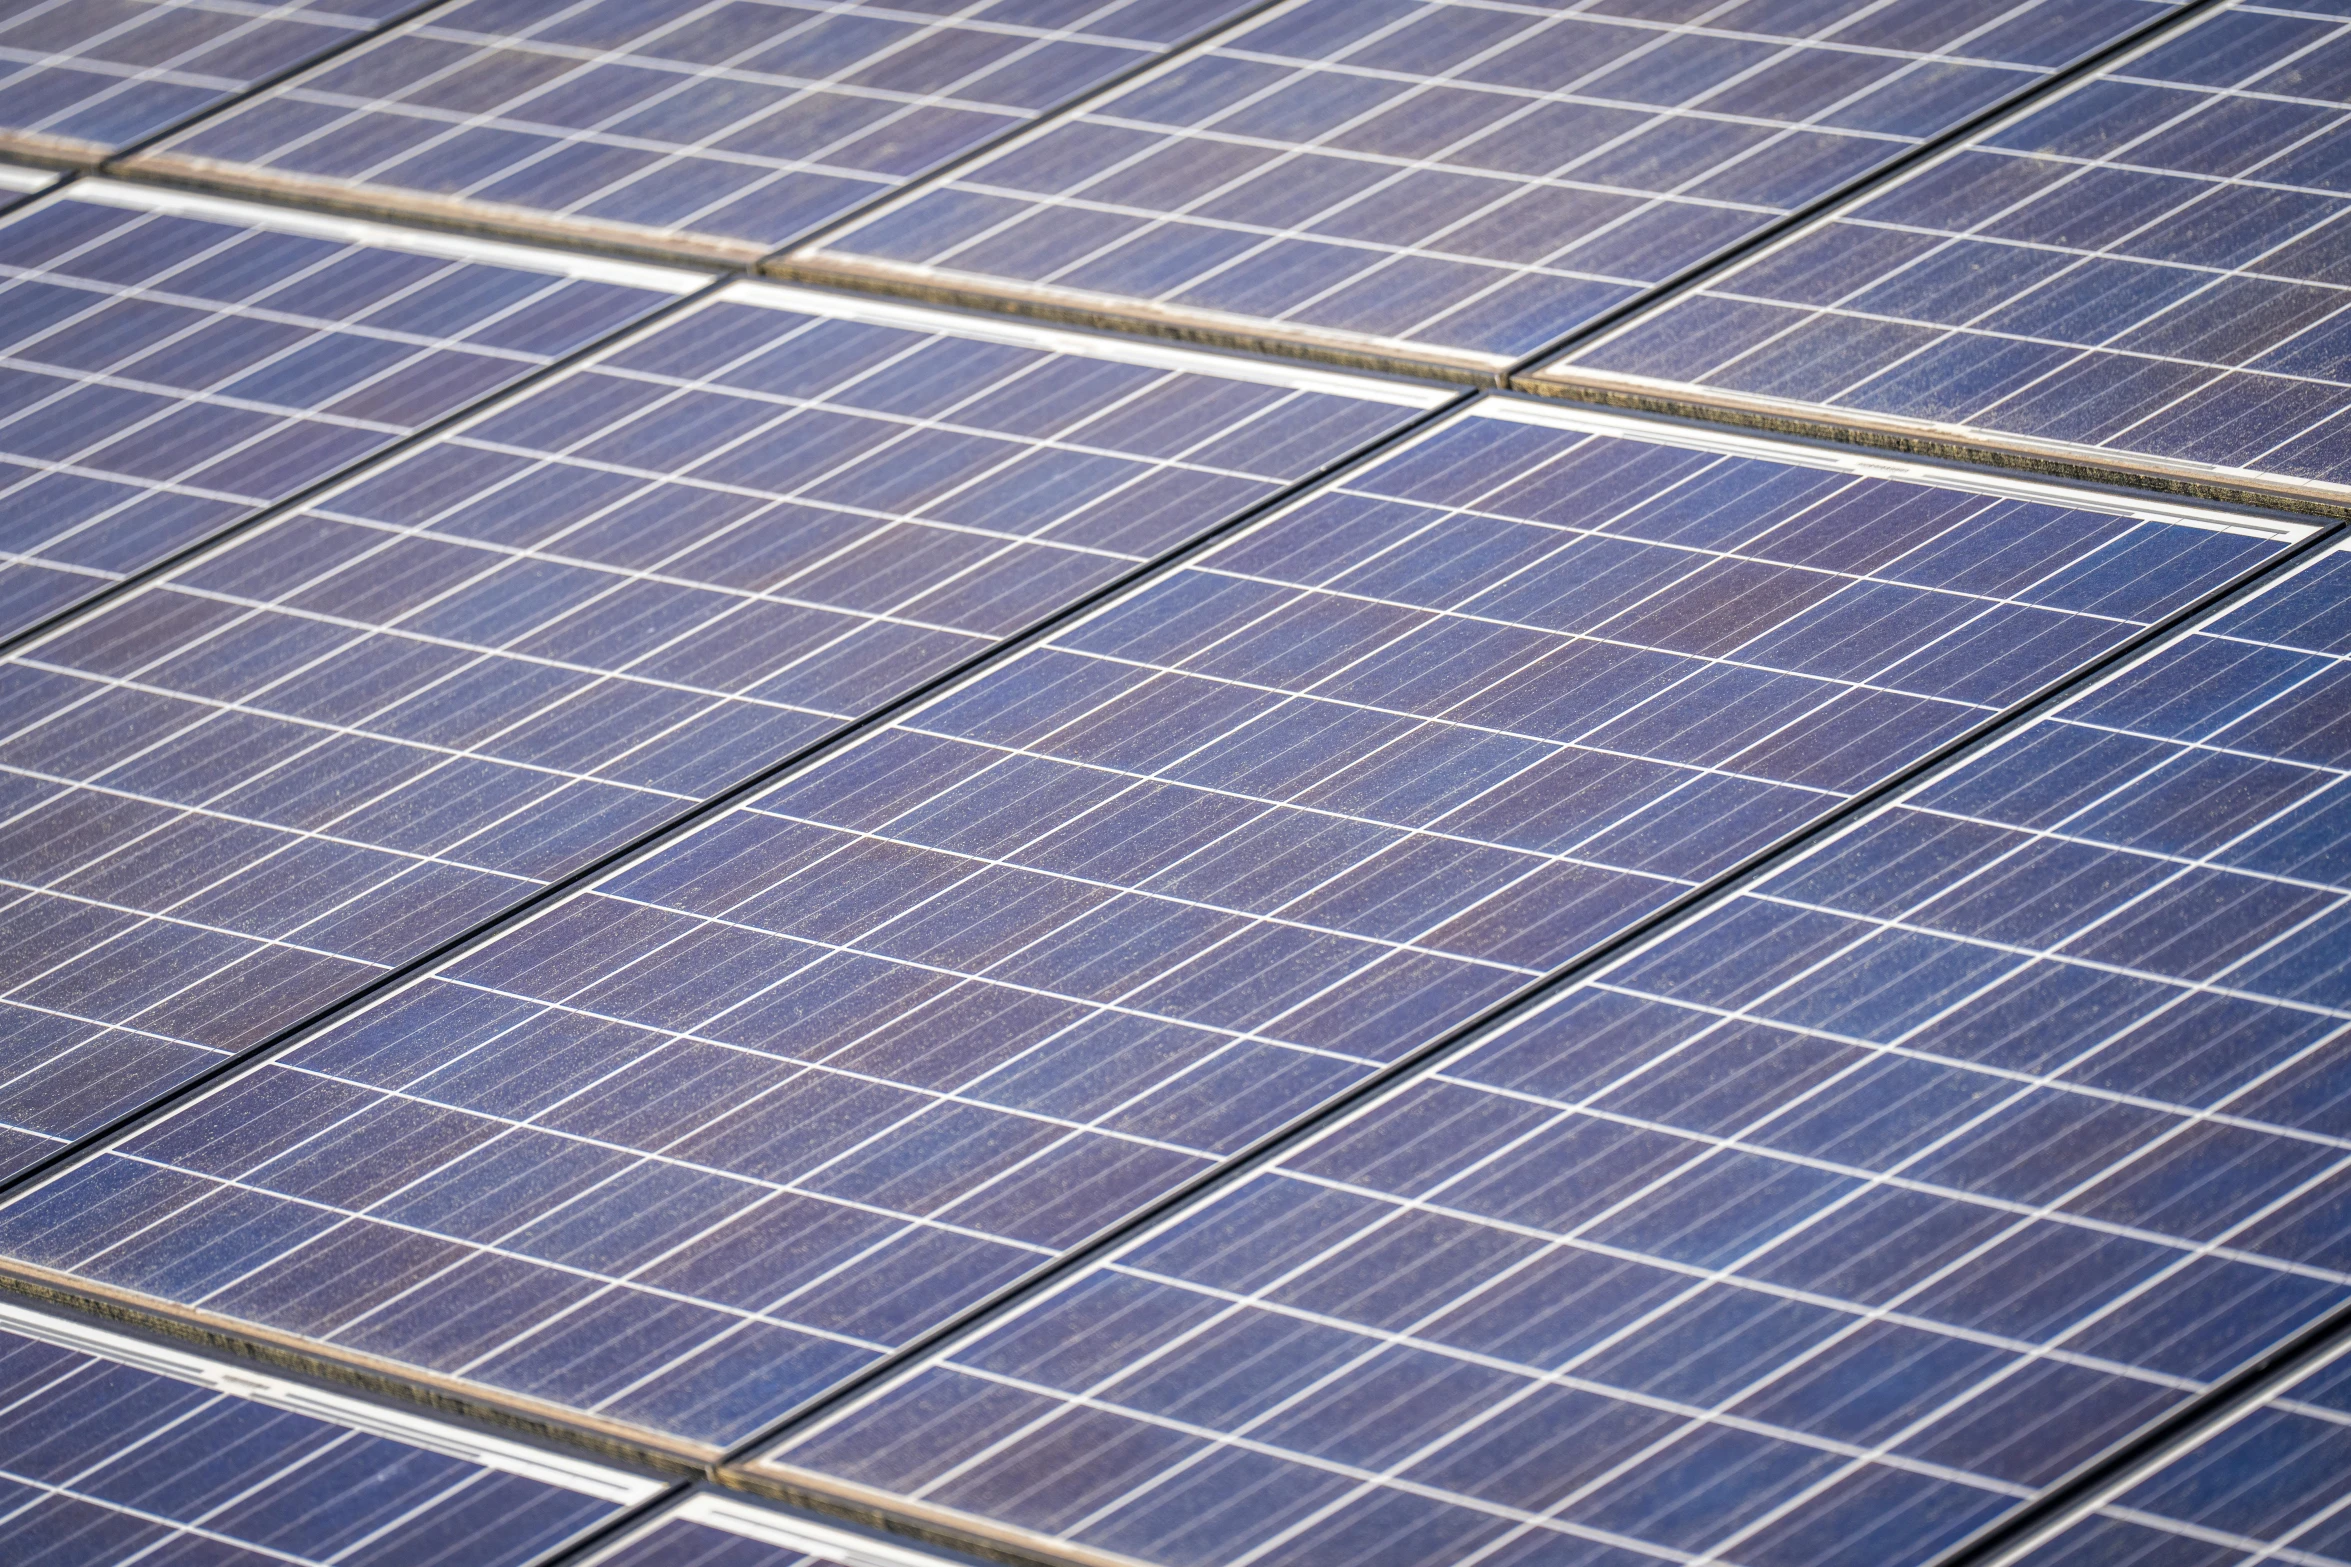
x: 170, y: 366
x: 1461, y: 180
x: 1826, y: 1228
x: 83, y: 78
x: 113, y: 1450
x: 2147, y: 266
x: 356, y: 731
x: 2266, y: 1487
x: 1147, y: 957
x: 726, y: 127
x: 683, y: 1151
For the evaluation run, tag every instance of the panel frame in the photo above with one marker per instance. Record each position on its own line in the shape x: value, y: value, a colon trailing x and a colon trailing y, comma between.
x: 1550, y: 375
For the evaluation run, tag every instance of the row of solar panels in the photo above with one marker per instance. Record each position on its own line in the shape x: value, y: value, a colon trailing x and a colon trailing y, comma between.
x: 1842, y: 1216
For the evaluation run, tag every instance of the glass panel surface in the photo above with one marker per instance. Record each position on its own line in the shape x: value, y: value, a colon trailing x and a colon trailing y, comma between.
x: 685, y: 1149
x: 2148, y: 269
x: 1822, y: 1230
x: 1461, y: 180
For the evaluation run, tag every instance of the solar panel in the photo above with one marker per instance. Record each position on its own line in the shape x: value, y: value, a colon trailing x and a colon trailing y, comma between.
x: 170, y: 365
x: 2143, y: 269
x: 115, y: 1450
x: 684, y: 1150
x: 1823, y: 1229
x: 712, y: 1529
x: 16, y: 182
x: 82, y: 78
x: 319, y: 750
x: 718, y: 127
x: 2265, y: 1486
x: 1457, y: 181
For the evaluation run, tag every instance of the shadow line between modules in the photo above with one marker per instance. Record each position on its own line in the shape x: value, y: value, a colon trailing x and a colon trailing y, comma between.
x: 811, y: 1490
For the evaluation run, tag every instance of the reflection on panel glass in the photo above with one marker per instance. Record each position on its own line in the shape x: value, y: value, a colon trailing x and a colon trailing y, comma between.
x: 320, y: 750
x: 731, y: 126
x: 2270, y: 1488
x: 711, y: 1529
x: 1463, y: 180
x: 686, y: 1149
x: 170, y: 365
x: 2152, y: 266
x: 83, y: 78
x: 1822, y: 1230
x: 116, y: 1451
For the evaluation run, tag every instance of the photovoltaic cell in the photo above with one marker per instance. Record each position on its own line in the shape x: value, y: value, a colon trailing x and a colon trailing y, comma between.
x: 2272, y: 1485
x: 711, y: 1529
x: 1821, y: 1230
x: 687, y: 1148
x: 322, y: 748
x: 116, y: 1451
x: 718, y: 126
x: 82, y: 78
x: 169, y: 365
x: 1460, y: 180
x: 2149, y: 267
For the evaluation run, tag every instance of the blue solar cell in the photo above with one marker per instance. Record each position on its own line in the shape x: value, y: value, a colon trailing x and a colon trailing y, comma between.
x: 83, y: 78
x: 170, y: 365
x: 2268, y: 1485
x: 1825, y: 1228
x: 712, y: 1529
x: 689, y: 1147
x: 330, y: 744
x: 726, y: 126
x: 1459, y: 180
x: 117, y: 1451
x: 2148, y: 267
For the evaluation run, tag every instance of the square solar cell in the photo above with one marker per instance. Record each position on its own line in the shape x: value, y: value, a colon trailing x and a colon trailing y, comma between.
x: 328, y: 745
x: 2147, y: 269
x: 688, y: 1147
x: 2271, y: 1484
x: 1823, y: 1229
x: 1459, y: 182
x: 717, y: 127
x: 117, y: 1451
x: 712, y: 1529
x: 170, y: 365
x: 83, y: 78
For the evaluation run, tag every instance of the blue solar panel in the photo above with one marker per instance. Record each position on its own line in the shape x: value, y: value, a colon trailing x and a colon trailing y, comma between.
x: 83, y: 78
x: 711, y: 1529
x: 686, y: 1149
x: 115, y: 1451
x: 17, y: 182
x: 169, y: 365
x: 2270, y: 1485
x: 2146, y: 268
x: 1821, y: 1230
x: 1460, y: 180
x: 717, y: 126
x: 319, y: 750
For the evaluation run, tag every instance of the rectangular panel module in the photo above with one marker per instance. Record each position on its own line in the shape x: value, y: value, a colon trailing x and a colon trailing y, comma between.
x: 80, y: 79
x: 685, y: 1149
x: 315, y: 753
x: 1457, y: 182
x: 2147, y: 271
x: 1824, y: 1229
x: 713, y: 129
x: 117, y: 1450
x: 170, y: 365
